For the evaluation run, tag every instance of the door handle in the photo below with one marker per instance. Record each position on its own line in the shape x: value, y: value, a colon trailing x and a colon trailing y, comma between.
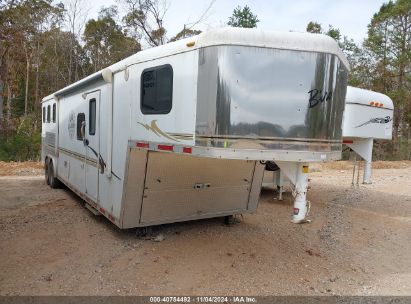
x: 83, y: 133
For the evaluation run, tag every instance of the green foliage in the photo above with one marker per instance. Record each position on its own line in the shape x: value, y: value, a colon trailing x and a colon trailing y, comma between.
x: 37, y: 57
x: 105, y: 40
x: 243, y: 17
x: 145, y: 19
x: 314, y: 27
x: 55, y: 66
x: 18, y: 104
x: 185, y: 33
x: 389, y: 46
x: 25, y: 143
x: 333, y: 33
x: 383, y: 64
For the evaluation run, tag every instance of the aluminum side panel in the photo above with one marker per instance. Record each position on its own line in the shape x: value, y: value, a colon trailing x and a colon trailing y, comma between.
x: 133, y: 188
x: 177, y: 205
x: 180, y: 187
x: 262, y: 98
x: 167, y: 171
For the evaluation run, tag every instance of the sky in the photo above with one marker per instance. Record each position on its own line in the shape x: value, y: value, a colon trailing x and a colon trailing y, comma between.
x: 350, y: 16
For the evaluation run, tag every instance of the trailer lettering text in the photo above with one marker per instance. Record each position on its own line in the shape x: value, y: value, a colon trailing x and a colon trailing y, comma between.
x: 316, y: 97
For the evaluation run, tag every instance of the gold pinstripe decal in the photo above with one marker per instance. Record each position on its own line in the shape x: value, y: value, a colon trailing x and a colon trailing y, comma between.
x: 78, y: 156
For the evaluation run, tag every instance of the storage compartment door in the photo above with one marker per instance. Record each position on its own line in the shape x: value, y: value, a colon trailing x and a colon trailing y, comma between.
x: 180, y: 187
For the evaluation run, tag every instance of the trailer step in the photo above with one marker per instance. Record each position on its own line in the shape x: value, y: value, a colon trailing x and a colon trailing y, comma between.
x: 92, y: 209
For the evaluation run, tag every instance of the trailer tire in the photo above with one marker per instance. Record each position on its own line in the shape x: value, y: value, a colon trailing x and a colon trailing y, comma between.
x: 46, y: 171
x: 53, y: 181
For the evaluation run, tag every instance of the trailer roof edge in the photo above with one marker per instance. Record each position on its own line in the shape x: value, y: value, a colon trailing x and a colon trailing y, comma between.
x: 296, y: 41
x: 365, y: 97
x: 82, y: 83
x: 304, y: 42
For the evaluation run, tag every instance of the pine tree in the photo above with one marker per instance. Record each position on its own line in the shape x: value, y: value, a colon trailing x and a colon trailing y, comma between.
x: 243, y: 17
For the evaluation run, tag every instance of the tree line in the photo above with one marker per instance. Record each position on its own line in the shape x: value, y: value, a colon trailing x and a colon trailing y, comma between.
x: 45, y: 46
x: 382, y: 63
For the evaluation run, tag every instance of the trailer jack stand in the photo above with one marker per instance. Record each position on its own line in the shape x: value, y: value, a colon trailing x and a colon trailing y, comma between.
x: 279, y: 180
x: 367, y: 173
x: 301, y: 205
x: 301, y: 209
x: 297, y: 173
x: 280, y: 191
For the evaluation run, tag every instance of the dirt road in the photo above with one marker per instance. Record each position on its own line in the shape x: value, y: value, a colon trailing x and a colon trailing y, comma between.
x: 359, y: 243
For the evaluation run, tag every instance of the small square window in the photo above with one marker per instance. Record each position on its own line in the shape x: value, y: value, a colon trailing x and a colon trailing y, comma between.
x: 157, y: 90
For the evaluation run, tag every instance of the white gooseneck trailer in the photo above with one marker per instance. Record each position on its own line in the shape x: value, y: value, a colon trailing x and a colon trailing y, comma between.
x: 182, y: 131
x: 368, y: 116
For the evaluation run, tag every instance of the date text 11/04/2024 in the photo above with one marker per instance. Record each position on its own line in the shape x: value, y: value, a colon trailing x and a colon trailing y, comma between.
x: 203, y: 299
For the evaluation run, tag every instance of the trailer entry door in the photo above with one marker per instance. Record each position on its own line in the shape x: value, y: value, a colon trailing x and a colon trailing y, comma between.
x: 93, y: 145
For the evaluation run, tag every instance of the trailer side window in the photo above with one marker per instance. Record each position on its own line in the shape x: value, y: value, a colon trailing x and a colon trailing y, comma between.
x: 92, y: 117
x: 44, y: 114
x: 157, y: 90
x: 81, y: 118
x: 48, y: 113
x: 54, y: 112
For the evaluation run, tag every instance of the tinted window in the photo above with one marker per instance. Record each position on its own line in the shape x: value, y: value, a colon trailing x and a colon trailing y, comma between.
x: 44, y: 114
x: 54, y: 112
x: 48, y: 113
x: 80, y: 119
x: 92, y: 117
x: 157, y: 90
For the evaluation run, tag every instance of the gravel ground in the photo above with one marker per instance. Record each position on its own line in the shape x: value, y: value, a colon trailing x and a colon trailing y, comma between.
x: 358, y: 243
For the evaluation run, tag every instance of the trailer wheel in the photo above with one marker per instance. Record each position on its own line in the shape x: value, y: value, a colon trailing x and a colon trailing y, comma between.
x: 46, y: 171
x: 53, y: 181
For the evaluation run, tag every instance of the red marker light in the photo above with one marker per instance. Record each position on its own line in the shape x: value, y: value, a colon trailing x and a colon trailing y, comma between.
x: 142, y: 145
x: 165, y: 147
